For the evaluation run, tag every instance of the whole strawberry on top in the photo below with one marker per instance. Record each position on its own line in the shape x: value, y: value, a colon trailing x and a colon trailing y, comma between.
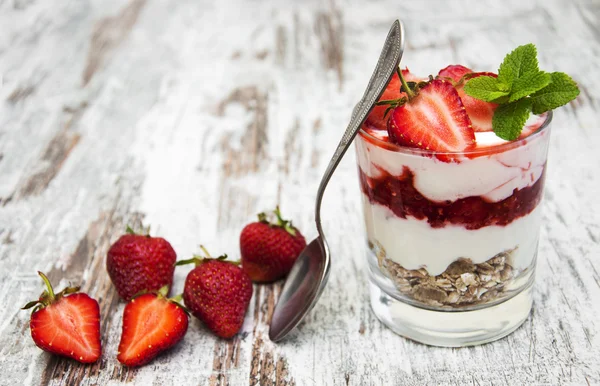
x: 151, y: 324
x: 269, y: 249
x: 218, y: 293
x: 66, y: 323
x: 137, y: 263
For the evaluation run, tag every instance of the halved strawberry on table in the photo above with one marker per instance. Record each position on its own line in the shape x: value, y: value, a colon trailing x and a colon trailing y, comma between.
x: 151, y: 324
x: 480, y: 112
x: 377, y: 118
x: 66, y: 323
x: 433, y: 118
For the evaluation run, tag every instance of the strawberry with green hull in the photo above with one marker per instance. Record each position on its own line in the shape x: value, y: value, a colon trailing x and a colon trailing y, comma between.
x: 269, y: 249
x: 151, y: 324
x: 66, y: 323
x: 137, y: 262
x: 218, y: 293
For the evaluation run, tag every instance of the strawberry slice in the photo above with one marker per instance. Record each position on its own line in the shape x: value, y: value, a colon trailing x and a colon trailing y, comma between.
x: 376, y: 119
x: 151, y: 324
x: 66, y: 323
x: 434, y: 119
x: 454, y: 72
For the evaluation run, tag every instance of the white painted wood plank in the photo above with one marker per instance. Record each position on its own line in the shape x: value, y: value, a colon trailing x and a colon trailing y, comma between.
x: 197, y: 128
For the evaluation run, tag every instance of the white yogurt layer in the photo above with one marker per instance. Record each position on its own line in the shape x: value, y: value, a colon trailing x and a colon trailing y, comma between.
x: 415, y: 244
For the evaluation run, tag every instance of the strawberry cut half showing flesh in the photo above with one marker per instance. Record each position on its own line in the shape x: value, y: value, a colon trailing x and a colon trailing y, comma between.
x: 70, y: 326
x: 435, y: 120
x: 151, y: 324
x: 377, y: 119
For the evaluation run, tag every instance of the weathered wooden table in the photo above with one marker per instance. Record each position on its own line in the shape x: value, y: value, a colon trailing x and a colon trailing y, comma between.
x: 196, y: 115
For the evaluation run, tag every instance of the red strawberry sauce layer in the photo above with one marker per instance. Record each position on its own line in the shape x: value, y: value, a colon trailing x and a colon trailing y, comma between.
x: 398, y: 193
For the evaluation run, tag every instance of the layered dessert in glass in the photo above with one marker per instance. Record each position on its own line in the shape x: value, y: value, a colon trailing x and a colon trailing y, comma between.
x: 452, y: 212
x: 459, y: 233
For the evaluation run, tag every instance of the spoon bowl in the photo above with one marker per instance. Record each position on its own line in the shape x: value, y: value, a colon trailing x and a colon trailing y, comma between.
x: 299, y: 296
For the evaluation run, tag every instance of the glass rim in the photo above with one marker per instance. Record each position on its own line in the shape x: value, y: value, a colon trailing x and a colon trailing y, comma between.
x: 500, y: 148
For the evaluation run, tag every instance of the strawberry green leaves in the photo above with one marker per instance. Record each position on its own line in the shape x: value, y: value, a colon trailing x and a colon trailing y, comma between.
x: 521, y: 88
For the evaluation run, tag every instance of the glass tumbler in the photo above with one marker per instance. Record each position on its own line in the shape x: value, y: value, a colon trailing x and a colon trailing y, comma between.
x: 452, y: 237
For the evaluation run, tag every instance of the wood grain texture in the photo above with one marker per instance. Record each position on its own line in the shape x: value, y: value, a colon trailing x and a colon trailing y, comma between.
x: 196, y: 115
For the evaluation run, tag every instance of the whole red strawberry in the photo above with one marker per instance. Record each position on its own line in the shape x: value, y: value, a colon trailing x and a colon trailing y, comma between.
x: 269, y: 250
x: 139, y: 263
x: 218, y: 293
x: 66, y: 323
x: 151, y: 324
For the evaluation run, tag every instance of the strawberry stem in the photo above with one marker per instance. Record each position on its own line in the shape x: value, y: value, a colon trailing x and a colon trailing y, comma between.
x: 144, y: 232
x: 177, y: 298
x: 205, y: 251
x: 163, y: 291
x: 48, y: 286
x: 278, y: 215
x: 196, y: 260
x: 409, y: 92
x: 285, y: 224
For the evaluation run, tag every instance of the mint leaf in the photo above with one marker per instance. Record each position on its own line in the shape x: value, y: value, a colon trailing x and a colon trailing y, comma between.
x: 561, y: 90
x: 509, y: 119
x: 519, y: 89
x: 501, y: 100
x: 486, y: 88
x: 528, y: 84
x: 520, y: 61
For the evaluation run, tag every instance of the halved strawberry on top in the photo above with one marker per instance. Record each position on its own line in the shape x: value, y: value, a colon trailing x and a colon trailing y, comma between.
x: 433, y: 119
x: 377, y: 119
x: 480, y: 112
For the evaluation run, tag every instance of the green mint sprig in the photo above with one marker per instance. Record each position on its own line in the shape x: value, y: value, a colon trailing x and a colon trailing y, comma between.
x: 520, y: 89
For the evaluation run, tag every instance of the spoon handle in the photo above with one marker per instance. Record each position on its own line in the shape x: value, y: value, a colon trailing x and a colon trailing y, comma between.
x: 386, y: 66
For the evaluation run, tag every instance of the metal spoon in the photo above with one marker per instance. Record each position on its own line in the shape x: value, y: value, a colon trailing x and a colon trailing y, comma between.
x: 309, y: 274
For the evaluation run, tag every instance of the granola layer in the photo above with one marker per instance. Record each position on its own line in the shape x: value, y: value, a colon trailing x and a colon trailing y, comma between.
x: 462, y: 284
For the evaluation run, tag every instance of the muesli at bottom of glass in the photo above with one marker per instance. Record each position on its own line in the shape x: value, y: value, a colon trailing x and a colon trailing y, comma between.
x: 452, y: 238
